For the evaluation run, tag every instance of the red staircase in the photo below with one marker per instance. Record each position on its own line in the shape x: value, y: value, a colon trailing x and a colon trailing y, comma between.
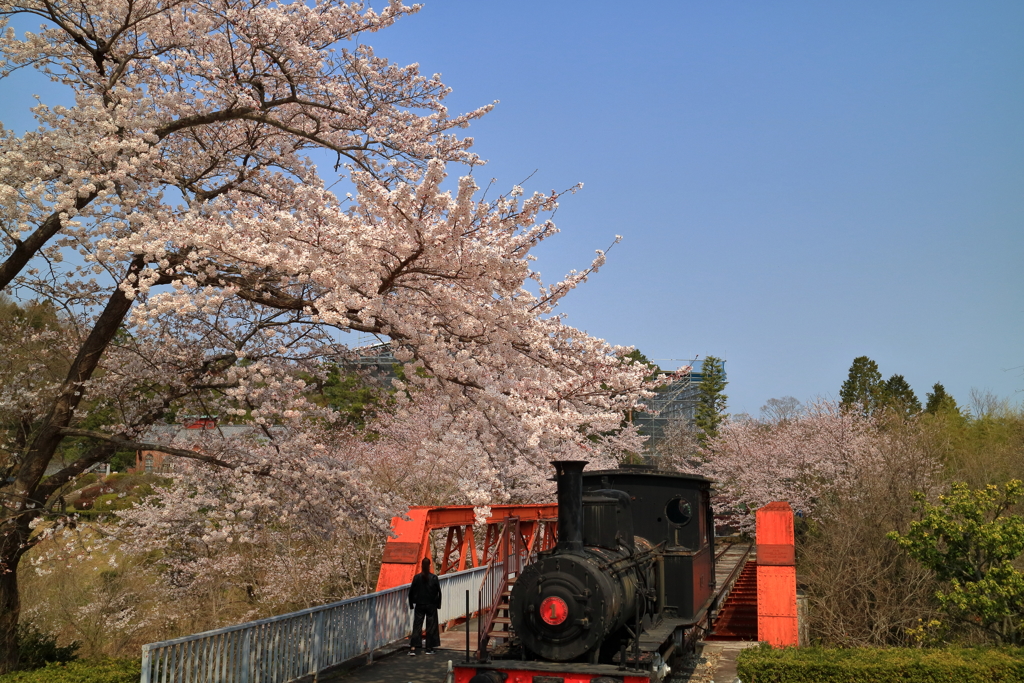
x: 501, y: 623
x: 737, y: 619
x: 506, y: 564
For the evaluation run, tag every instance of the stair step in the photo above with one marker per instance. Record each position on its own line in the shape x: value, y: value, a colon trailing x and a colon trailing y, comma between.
x: 501, y: 620
x: 730, y: 618
x: 737, y: 618
x: 499, y: 634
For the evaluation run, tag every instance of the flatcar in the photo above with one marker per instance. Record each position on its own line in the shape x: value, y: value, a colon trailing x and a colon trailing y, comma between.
x: 628, y: 587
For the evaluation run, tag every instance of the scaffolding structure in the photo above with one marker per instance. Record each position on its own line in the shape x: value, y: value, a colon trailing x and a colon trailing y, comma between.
x: 673, y: 406
x: 376, y: 361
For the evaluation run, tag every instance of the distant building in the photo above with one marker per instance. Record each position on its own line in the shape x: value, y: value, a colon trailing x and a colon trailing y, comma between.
x: 673, y: 406
x: 151, y: 462
x: 376, y: 360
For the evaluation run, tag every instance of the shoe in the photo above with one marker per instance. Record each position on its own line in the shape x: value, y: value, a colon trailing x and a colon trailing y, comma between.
x: 412, y: 653
x: 429, y: 652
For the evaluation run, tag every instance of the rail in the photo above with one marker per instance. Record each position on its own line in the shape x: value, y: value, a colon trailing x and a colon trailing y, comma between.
x: 305, y: 643
x: 725, y: 549
x: 723, y: 592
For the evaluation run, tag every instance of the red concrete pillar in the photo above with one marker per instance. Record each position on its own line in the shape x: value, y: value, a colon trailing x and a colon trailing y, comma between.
x: 776, y: 576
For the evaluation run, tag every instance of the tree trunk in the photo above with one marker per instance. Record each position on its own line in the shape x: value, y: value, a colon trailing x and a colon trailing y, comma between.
x: 10, y: 606
x: 28, y: 501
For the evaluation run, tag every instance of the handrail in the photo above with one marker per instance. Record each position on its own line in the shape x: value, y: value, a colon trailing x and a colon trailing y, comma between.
x: 304, y: 643
x: 508, y: 564
x: 488, y: 601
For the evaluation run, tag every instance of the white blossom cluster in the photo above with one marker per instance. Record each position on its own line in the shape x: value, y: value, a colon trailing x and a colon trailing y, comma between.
x: 201, y: 265
x: 807, y: 460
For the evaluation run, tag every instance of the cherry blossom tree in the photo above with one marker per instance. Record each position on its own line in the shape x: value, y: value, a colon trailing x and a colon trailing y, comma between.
x: 202, y: 264
x: 850, y: 474
x: 824, y: 453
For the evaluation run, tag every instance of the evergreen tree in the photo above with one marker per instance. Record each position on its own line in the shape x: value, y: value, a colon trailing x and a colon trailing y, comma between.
x: 636, y: 356
x: 863, y: 386
x: 710, y: 410
x: 938, y: 401
x: 897, y: 395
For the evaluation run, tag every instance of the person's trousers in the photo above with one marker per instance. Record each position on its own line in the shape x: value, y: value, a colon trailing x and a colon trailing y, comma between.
x: 433, y: 634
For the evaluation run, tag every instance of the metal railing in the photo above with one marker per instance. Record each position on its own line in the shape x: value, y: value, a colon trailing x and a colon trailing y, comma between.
x: 507, y: 565
x: 304, y: 643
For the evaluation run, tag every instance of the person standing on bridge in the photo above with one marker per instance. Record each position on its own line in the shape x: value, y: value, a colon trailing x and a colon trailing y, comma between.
x: 425, y: 599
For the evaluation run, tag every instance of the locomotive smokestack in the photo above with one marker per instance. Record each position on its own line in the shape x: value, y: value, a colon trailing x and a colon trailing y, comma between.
x: 569, y: 479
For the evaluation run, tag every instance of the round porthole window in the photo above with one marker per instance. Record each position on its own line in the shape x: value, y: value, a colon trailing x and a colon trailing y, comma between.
x: 679, y: 511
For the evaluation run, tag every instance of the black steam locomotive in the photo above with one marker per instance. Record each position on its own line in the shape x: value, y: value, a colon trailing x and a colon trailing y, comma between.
x: 631, y: 576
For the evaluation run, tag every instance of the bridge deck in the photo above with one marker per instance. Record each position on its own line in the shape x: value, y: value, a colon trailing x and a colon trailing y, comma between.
x: 398, y: 667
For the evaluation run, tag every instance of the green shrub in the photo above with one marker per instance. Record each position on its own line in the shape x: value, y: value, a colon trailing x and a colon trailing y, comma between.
x: 101, y: 671
x: 881, y: 665
x: 37, y: 649
x: 110, y: 502
x: 86, y: 480
x: 116, y: 492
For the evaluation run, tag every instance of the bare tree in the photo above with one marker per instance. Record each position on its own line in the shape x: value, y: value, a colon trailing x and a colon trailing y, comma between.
x: 781, y: 409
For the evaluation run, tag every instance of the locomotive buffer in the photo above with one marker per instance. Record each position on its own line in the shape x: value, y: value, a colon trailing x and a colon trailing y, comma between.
x: 626, y: 592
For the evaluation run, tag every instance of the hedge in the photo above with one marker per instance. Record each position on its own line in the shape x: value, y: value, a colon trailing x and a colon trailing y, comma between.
x: 96, y: 671
x: 881, y: 665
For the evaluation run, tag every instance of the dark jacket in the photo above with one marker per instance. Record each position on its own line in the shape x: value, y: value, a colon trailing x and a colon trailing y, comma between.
x: 425, y: 592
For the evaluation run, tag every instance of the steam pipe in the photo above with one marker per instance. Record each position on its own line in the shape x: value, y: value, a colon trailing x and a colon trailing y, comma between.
x: 661, y: 585
x: 569, y: 480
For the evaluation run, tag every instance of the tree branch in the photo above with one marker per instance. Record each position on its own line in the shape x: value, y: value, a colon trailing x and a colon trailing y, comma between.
x: 130, y: 444
x: 24, y: 251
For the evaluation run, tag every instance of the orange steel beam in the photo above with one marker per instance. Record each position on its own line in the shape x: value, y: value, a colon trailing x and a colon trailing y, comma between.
x: 411, y: 537
x: 776, y: 576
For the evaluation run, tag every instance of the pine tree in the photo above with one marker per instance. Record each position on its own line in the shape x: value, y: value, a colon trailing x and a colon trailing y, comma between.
x: 711, y: 401
x: 635, y: 356
x: 938, y: 401
x: 863, y: 386
x: 897, y: 395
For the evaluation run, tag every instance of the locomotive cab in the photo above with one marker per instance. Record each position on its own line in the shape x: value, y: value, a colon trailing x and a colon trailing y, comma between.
x: 672, y: 510
x: 607, y: 520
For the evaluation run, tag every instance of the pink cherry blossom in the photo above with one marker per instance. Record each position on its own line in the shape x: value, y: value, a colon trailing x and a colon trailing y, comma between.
x: 204, y: 265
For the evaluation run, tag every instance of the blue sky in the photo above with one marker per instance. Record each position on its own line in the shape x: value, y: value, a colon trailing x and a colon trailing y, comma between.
x: 798, y: 183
